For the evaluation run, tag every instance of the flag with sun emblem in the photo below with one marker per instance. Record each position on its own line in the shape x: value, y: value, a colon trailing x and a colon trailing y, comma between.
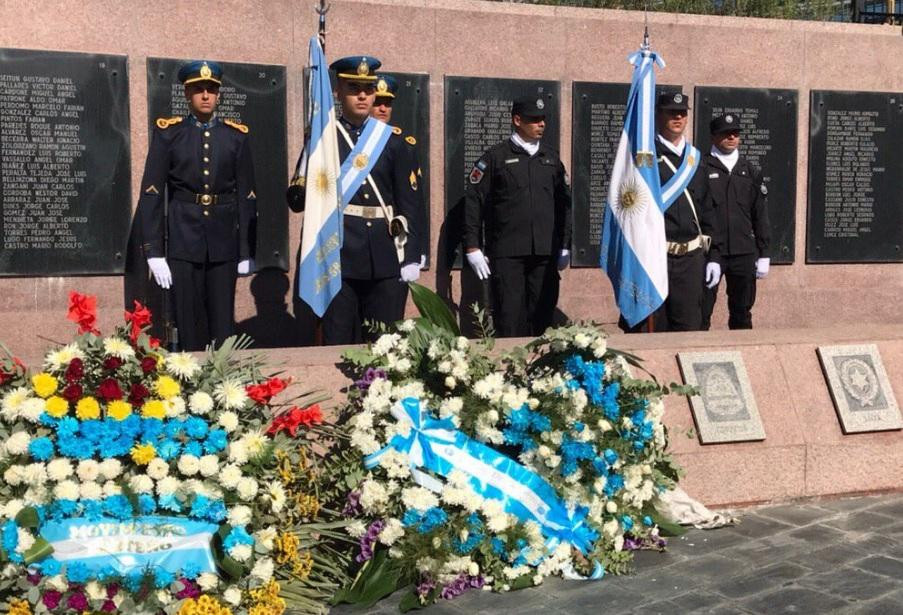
x: 633, y: 249
x: 320, y: 272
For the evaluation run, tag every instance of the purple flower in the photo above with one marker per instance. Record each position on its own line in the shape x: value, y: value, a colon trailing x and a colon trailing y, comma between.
x: 352, y: 504
x: 369, y: 539
x: 370, y: 376
x: 461, y: 585
x: 190, y: 589
x: 51, y: 599
x: 77, y: 601
x: 426, y: 585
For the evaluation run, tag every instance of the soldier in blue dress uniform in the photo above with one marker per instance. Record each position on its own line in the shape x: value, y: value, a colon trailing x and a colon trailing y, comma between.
x: 207, y: 237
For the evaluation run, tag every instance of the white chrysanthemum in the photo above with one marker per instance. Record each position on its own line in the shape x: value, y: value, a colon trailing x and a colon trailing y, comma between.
x: 157, y: 469
x: 419, y: 499
x: 239, y: 515
x: 88, y: 469
x: 392, y: 531
x: 200, y: 403
x: 208, y: 465
x: 111, y: 488
x: 17, y: 444
x: 168, y: 485
x: 396, y: 464
x: 59, y: 358
x: 182, y: 364
x: 241, y: 553
x: 118, y: 347
x: 14, y: 475
x: 25, y: 540
x: 90, y: 490
x: 95, y: 590
x: 452, y: 407
x: 231, y: 394
x: 385, y: 343
x: 36, y: 495
x: 356, y: 528
x: 228, y: 421
x: 12, y: 508
x: 247, y: 488
x: 141, y: 483
x: 374, y: 496
x: 611, y: 507
x: 406, y: 325
x: 238, y: 452
x: 275, y: 494
x: 265, y: 538
x: 254, y: 442
x: 35, y: 474
x: 230, y: 476
x: 232, y: 595
x: 189, y: 465
x: 610, y: 528
x: 59, y: 469
x: 175, y: 406
x: 208, y: 581
x: 110, y: 468
x: 263, y: 570
x: 164, y: 596
x: 31, y: 409
x: 365, y: 442
x: 66, y: 490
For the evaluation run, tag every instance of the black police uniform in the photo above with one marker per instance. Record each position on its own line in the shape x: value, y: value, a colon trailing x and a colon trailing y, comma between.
x: 207, y: 171
x: 523, y: 205
x: 740, y: 204
x: 371, y: 289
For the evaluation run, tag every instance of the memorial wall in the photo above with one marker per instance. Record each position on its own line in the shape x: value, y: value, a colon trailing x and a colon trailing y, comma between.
x: 821, y: 105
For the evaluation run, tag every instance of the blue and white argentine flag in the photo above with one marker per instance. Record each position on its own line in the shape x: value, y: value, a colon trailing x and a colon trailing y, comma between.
x: 633, y: 249
x: 320, y: 272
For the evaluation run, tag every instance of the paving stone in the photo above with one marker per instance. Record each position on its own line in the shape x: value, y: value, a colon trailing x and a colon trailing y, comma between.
x: 886, y: 605
x: 657, y: 584
x: 818, y: 534
x: 861, y: 522
x: 893, y: 508
x: 595, y: 597
x: 795, y: 600
x: 882, y: 565
x: 648, y: 560
x: 700, y: 600
x: 754, y: 525
x: 828, y: 558
x: 763, y: 553
x: 852, y: 504
x: 761, y: 580
x: 851, y: 583
x: 874, y: 542
x: 797, y: 514
x: 665, y: 607
x: 695, y: 542
x: 712, y: 567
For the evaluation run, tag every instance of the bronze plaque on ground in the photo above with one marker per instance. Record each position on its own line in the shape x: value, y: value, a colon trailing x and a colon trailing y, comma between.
x: 859, y: 386
x: 725, y: 409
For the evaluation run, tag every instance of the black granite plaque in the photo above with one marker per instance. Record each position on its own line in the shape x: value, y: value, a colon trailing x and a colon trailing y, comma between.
x: 253, y: 94
x: 855, y: 212
x: 477, y: 116
x: 768, y: 119
x: 64, y: 163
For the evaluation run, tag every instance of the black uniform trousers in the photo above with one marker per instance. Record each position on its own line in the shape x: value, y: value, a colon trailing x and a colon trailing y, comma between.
x: 381, y: 300
x: 524, y: 293
x: 740, y: 277
x: 203, y: 292
x: 682, y: 309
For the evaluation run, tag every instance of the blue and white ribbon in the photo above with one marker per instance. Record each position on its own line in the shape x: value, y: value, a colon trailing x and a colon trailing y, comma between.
x: 357, y: 166
x: 437, y: 446
x: 681, y: 178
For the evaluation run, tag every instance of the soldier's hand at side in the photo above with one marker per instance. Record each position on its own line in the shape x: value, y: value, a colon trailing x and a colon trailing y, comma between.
x: 762, y: 266
x: 712, y: 274
x: 410, y: 272
x: 246, y: 267
x: 479, y: 263
x: 160, y: 270
x: 564, y: 259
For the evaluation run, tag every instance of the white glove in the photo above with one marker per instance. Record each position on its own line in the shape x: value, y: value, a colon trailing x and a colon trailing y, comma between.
x: 160, y: 270
x: 564, y: 259
x: 712, y: 274
x: 423, y: 261
x: 246, y: 266
x: 762, y: 266
x: 410, y: 272
x: 479, y: 264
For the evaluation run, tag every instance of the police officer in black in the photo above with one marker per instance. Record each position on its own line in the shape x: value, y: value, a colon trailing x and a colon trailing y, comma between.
x: 375, y: 267
x: 204, y: 164
x: 694, y: 242
x: 740, y: 199
x: 519, y: 199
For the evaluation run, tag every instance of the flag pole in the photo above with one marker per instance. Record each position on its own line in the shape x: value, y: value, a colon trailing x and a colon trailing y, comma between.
x: 646, y: 48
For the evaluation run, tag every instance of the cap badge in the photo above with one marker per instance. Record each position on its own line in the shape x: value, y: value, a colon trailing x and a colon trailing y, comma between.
x: 382, y: 86
x: 729, y: 119
x: 206, y: 73
x: 678, y: 98
x: 540, y: 104
x: 363, y: 68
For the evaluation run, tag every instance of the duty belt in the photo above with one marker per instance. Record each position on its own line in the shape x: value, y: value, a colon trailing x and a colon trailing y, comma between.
x: 205, y: 199
x: 366, y: 211
x: 677, y: 248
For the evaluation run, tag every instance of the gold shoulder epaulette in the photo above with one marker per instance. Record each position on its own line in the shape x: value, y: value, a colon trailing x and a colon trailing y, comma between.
x: 396, y: 130
x: 411, y: 140
x: 237, y: 126
x: 165, y: 122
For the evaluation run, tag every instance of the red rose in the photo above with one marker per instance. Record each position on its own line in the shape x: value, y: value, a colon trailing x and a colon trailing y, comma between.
x: 138, y: 393
x: 290, y: 421
x: 113, y: 363
x: 83, y: 312
x: 73, y: 392
x: 139, y: 319
x: 148, y: 364
x: 263, y: 393
x: 109, y: 390
x: 75, y: 371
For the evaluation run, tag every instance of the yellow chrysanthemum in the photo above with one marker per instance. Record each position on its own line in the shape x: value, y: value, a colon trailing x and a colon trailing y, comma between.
x: 142, y: 454
x: 19, y: 607
x: 56, y: 406
x: 153, y: 409
x: 205, y: 605
x: 167, y: 387
x: 87, y: 408
x: 119, y: 410
x: 44, y: 384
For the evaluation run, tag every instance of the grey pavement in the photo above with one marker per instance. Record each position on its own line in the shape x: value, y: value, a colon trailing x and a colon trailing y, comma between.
x: 826, y: 556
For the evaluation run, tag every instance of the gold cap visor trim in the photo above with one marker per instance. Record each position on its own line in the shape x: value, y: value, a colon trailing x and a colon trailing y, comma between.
x: 356, y: 77
x: 199, y: 79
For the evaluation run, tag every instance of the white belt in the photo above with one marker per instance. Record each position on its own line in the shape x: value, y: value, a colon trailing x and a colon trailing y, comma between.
x: 366, y: 211
x: 676, y: 248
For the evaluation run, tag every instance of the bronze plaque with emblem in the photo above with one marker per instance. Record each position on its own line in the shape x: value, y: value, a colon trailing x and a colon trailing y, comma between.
x: 855, y: 212
x: 477, y: 116
x: 768, y: 121
x: 65, y: 173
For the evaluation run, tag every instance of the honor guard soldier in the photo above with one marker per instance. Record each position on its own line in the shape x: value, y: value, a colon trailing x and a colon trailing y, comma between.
x: 207, y: 236
x: 519, y: 198
x: 740, y: 199
x: 381, y: 245
x: 694, y: 242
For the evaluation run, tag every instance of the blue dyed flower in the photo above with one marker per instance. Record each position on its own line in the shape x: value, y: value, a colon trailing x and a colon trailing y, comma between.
x: 92, y: 430
x: 107, y: 573
x: 41, y: 449
x: 238, y: 536
x: 196, y: 428
x: 433, y: 517
x: 169, y: 502
x: 174, y: 428
x: 50, y: 567
x: 199, y: 507
x: 627, y: 522
x: 647, y: 521
x: 191, y: 570
x: 131, y: 426
x: 193, y: 448
x: 67, y: 426
x: 146, y: 504
x: 216, y: 441
x: 10, y: 536
x: 216, y: 512
x: 410, y: 517
x: 134, y: 580
x: 163, y: 578
x: 168, y: 449
x: 77, y: 572
x: 611, y: 457
x: 118, y: 506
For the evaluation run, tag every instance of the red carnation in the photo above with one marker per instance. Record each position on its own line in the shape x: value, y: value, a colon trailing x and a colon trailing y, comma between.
x: 16, y: 369
x: 73, y: 392
x: 263, y: 393
x: 83, y: 312
x: 75, y: 371
x: 292, y: 419
x: 139, y: 319
x: 154, y: 342
x: 112, y: 363
x: 137, y: 394
x: 109, y: 390
x: 148, y: 364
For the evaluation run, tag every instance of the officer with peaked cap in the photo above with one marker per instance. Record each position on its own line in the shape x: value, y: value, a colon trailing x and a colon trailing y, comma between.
x: 381, y: 245
x: 740, y: 199
x: 203, y: 162
x: 519, y: 198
